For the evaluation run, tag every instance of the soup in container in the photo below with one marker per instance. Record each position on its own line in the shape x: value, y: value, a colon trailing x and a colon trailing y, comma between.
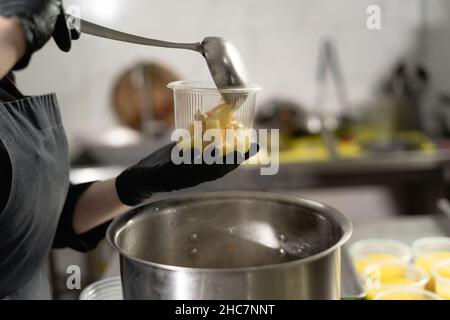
x: 200, y: 106
x: 372, y: 251
x: 430, y: 251
x: 441, y: 275
x: 383, y: 276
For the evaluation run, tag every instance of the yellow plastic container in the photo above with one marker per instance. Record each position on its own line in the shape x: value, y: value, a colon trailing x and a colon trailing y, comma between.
x: 372, y: 251
x: 441, y: 275
x: 407, y: 294
x: 392, y: 275
x: 430, y: 251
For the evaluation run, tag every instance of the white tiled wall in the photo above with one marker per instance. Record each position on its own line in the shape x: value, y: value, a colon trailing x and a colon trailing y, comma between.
x: 278, y: 40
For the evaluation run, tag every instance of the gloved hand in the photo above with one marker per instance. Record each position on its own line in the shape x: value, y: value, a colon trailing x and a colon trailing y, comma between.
x: 40, y: 19
x: 157, y: 173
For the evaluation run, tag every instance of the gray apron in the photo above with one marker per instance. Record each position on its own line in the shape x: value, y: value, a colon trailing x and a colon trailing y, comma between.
x: 33, y: 136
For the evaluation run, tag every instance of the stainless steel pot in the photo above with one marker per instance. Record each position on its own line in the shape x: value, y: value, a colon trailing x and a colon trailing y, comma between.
x: 231, y: 245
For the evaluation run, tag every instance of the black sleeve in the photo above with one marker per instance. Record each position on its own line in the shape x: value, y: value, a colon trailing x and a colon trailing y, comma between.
x: 65, y: 234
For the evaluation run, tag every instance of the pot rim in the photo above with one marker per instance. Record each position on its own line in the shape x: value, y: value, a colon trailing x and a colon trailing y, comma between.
x: 339, y: 217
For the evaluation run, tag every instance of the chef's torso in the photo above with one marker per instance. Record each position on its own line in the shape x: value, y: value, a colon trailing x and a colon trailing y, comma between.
x: 34, y: 141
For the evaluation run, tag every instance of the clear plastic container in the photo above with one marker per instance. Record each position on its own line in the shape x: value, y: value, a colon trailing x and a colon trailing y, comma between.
x: 407, y: 294
x: 430, y: 251
x: 193, y: 97
x: 441, y: 275
x: 107, y: 289
x: 370, y: 251
x: 387, y: 275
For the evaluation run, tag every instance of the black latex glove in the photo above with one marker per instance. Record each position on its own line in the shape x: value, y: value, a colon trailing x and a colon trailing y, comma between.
x: 40, y: 19
x: 157, y: 173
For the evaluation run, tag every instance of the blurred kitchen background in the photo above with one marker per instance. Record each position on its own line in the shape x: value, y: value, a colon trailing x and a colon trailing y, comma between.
x: 364, y: 115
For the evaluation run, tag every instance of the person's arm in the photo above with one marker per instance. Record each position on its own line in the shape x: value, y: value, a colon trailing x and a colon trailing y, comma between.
x: 87, y: 213
x: 90, y: 207
x: 97, y: 205
x: 103, y: 201
x: 12, y: 44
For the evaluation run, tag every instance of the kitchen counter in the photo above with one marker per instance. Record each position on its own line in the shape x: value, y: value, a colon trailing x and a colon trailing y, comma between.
x: 406, y: 229
x: 416, y: 179
x: 396, y: 162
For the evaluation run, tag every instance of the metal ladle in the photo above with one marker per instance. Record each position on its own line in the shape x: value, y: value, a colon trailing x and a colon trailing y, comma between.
x: 223, y: 59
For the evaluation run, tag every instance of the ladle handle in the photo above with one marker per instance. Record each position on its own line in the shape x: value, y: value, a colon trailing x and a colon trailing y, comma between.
x: 103, y: 32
